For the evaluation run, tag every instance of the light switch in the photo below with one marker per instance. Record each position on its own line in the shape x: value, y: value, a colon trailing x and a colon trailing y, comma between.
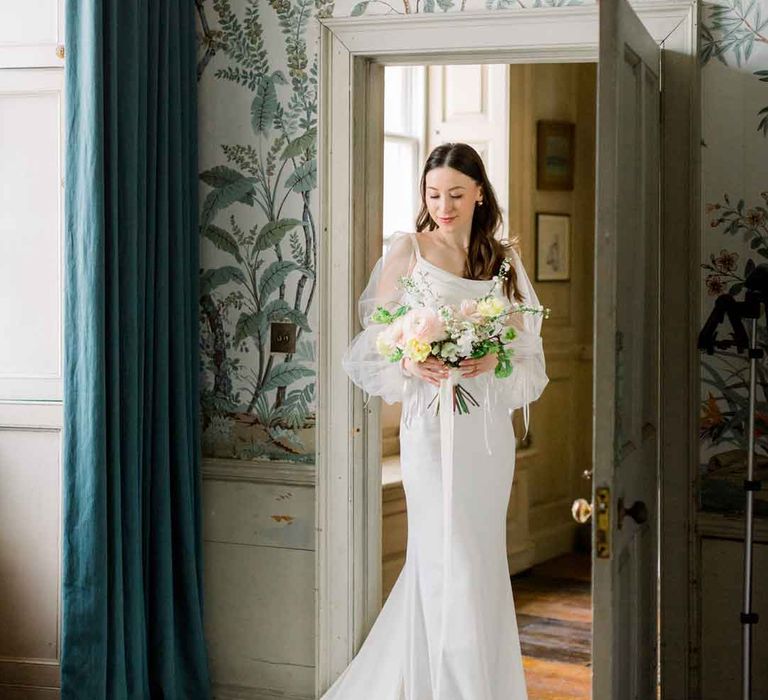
x: 282, y: 337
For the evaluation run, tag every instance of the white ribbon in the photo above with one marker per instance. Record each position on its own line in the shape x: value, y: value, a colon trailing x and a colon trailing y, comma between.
x: 446, y: 465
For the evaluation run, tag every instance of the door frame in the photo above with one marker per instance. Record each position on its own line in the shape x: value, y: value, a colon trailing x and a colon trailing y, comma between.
x: 353, y: 53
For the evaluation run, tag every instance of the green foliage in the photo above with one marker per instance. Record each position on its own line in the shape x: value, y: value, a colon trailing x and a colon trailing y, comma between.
x: 733, y: 27
x: 243, y: 44
x: 305, y: 350
x: 293, y: 18
x: 274, y: 275
x: 306, y: 145
x: 297, y: 251
x: 264, y: 106
x: 297, y: 406
x: 221, y: 197
x: 272, y: 156
x: 271, y: 174
x: 246, y: 157
x: 284, y: 374
x: 284, y: 435
x: 381, y: 315
x: 250, y: 325
x: 504, y: 367
x: 324, y: 8
x: 223, y: 240
x: 211, y: 279
x: 274, y: 231
x: 304, y: 178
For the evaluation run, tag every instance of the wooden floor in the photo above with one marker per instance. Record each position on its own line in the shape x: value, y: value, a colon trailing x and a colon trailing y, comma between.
x: 554, y: 619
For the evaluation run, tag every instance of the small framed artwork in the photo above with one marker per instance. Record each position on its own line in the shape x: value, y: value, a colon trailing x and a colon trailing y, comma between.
x: 553, y: 247
x: 554, y: 155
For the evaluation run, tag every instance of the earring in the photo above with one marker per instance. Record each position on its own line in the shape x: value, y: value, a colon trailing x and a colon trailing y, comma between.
x: 479, y: 202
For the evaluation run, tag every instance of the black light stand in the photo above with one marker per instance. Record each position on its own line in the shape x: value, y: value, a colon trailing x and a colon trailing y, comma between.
x: 756, y: 295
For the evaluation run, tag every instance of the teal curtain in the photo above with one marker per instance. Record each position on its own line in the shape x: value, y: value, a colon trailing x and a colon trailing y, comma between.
x: 132, y: 598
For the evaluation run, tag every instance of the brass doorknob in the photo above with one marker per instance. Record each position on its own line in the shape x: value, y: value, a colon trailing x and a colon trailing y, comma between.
x: 581, y: 510
x: 637, y: 511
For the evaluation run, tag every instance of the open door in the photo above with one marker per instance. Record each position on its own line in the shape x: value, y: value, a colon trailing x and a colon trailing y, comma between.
x: 626, y: 395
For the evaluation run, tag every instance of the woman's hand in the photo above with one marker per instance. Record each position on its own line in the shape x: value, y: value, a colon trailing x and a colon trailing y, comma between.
x: 431, y: 370
x: 471, y: 367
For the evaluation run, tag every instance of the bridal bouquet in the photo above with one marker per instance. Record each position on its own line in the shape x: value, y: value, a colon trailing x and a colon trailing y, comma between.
x: 474, y: 328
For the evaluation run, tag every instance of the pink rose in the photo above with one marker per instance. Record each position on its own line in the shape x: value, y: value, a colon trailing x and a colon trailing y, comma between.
x: 424, y: 324
x: 393, y: 334
x: 468, y: 309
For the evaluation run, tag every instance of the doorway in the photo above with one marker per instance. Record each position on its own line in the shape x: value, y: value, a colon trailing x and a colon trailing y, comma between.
x: 510, y: 114
x: 354, y: 53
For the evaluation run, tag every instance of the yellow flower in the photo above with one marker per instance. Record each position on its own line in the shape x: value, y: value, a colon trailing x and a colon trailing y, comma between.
x: 417, y: 350
x: 490, y: 307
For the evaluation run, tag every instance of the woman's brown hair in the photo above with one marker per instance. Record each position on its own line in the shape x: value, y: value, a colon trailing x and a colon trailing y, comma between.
x: 486, y: 252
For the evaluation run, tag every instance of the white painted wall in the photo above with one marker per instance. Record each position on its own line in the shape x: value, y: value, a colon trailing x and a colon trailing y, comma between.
x: 31, y: 231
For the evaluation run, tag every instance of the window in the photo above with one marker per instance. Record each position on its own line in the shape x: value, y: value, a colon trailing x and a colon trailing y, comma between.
x: 404, y: 146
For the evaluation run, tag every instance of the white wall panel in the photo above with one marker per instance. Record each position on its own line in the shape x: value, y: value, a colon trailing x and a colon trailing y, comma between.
x: 30, y: 234
x: 259, y: 609
x: 30, y: 477
x: 30, y: 33
x: 721, y: 603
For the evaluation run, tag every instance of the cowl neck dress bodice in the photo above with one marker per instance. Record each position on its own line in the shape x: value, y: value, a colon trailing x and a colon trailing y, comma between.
x: 448, y: 286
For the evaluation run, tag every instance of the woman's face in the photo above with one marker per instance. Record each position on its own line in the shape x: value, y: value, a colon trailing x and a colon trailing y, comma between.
x: 451, y: 197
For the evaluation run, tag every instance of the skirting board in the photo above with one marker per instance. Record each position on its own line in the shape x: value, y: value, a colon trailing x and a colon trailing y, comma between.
x: 237, y: 692
x: 520, y: 560
x: 27, y: 692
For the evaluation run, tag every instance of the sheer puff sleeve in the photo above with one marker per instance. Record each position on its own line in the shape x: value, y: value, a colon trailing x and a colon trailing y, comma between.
x: 529, y: 377
x: 366, y: 367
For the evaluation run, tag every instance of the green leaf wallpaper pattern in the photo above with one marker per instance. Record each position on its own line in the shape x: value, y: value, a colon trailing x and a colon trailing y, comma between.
x: 732, y: 29
x: 258, y: 230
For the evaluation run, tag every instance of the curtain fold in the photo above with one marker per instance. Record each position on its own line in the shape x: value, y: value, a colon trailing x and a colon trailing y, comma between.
x: 132, y: 597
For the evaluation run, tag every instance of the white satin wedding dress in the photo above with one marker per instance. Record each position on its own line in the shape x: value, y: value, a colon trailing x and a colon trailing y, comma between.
x: 448, y: 629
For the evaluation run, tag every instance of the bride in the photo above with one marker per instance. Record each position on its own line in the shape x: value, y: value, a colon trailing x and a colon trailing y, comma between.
x: 448, y: 629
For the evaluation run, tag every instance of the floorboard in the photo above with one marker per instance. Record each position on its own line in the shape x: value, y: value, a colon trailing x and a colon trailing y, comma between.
x: 554, y: 620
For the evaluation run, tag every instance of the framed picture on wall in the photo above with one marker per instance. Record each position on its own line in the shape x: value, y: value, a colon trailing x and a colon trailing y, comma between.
x: 553, y: 247
x: 554, y: 155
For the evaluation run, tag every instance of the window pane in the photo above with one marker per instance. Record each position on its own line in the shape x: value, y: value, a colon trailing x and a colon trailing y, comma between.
x: 399, y: 186
x: 396, y: 99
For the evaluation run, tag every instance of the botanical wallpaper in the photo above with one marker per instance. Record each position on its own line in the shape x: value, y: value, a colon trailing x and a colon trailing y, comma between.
x: 258, y: 222
x: 734, y: 57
